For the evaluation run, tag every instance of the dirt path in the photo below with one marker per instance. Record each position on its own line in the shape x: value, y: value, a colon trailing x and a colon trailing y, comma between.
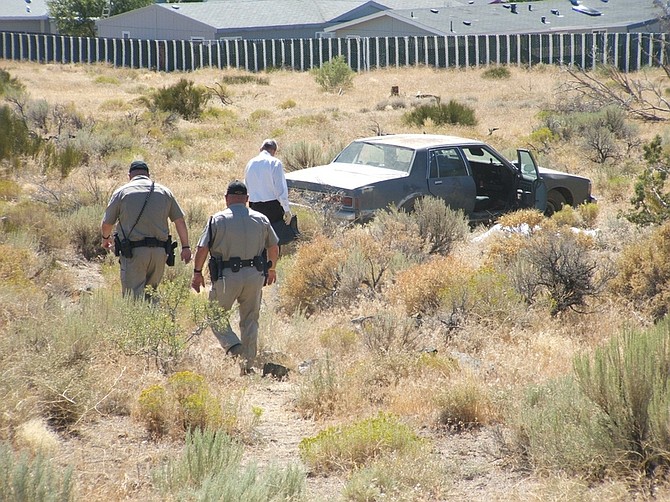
x: 279, y: 433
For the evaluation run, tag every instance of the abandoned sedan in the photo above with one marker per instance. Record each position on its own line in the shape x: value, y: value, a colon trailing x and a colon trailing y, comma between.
x: 395, y: 170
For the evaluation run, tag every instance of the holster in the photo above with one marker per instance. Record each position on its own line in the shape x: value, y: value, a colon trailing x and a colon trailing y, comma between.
x: 169, y: 249
x: 260, y: 262
x: 122, y: 247
x: 215, y: 266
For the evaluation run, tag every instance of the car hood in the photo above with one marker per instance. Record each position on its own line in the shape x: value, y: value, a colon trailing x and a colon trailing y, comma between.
x: 340, y: 175
x: 557, y: 174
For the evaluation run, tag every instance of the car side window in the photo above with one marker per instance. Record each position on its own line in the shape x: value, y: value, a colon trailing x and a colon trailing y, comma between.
x: 446, y: 162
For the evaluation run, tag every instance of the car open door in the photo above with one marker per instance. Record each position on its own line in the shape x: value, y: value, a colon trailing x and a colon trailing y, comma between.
x: 532, y: 189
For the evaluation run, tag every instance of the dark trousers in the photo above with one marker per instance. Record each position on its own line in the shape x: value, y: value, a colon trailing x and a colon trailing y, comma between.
x: 271, y: 208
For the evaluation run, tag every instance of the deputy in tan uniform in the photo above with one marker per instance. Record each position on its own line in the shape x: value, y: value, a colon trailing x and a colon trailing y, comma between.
x: 235, y: 239
x: 140, y: 210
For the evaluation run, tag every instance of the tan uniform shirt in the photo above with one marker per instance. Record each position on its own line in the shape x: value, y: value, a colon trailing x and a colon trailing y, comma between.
x: 238, y: 231
x: 127, y: 201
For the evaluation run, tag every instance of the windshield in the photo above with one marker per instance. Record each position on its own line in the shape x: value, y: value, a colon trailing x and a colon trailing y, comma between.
x: 371, y: 154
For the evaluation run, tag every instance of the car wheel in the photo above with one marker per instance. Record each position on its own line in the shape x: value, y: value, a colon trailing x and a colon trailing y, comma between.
x: 555, y: 201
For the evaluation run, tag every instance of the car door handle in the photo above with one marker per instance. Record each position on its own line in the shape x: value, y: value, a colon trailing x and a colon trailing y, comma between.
x: 437, y: 182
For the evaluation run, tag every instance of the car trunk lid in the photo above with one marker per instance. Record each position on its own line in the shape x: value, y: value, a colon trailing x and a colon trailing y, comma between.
x: 340, y: 176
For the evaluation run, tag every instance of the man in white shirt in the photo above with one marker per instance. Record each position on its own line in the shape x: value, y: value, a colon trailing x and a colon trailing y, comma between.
x: 266, y: 182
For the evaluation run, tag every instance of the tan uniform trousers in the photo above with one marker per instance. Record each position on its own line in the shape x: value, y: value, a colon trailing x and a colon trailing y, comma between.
x: 246, y: 287
x: 145, y: 268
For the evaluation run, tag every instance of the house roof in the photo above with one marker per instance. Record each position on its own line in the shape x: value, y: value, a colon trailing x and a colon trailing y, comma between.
x: 485, y: 17
x: 224, y: 14
x: 24, y: 9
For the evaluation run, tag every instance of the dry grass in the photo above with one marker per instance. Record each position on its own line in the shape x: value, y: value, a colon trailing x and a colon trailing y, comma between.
x: 482, y: 361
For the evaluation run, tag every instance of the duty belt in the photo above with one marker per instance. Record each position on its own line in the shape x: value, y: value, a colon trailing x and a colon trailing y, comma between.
x: 242, y: 263
x: 217, y: 265
x: 149, y: 242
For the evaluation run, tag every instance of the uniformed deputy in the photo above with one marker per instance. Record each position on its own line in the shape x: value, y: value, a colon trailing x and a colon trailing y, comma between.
x: 140, y: 209
x: 236, y: 238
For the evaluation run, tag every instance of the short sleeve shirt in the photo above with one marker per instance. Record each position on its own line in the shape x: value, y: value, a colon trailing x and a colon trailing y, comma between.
x: 126, y: 204
x: 238, y: 231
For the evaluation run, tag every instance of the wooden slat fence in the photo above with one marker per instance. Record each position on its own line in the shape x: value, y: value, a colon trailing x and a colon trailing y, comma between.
x: 628, y: 51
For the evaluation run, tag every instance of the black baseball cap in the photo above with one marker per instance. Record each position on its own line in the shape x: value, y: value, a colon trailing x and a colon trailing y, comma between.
x: 236, y: 188
x: 137, y: 165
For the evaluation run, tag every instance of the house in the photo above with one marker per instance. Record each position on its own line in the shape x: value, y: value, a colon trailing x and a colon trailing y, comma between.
x: 482, y: 17
x: 234, y: 19
x: 291, y: 19
x: 26, y: 16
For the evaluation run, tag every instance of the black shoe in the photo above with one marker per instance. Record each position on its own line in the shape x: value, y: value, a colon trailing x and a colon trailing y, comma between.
x: 275, y: 370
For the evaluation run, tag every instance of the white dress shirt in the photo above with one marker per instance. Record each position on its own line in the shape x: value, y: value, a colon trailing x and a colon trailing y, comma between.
x: 265, y: 180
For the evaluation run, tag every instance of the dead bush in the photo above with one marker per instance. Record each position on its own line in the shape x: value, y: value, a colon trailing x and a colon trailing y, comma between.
x: 644, y: 273
x: 418, y: 288
x: 388, y: 332
x: 312, y: 278
x: 561, y: 265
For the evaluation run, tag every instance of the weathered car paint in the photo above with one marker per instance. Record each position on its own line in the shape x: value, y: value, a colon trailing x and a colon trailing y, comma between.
x: 373, y: 187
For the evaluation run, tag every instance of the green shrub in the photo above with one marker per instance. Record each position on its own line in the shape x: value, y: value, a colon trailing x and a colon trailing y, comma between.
x: 37, y: 221
x: 57, y: 354
x: 542, y: 138
x: 106, y: 79
x: 334, y: 74
x: 84, y: 229
x: 210, y: 468
x: 651, y: 202
x: 35, y: 479
x: 154, y: 329
x: 464, y: 405
x: 62, y: 158
x: 320, y: 391
x: 343, y: 448
x: 611, y: 419
x: 338, y: 338
x: 9, y: 82
x: 183, y: 98
x: 9, y: 190
x: 393, y: 103
x: 303, y: 154
x: 555, y: 428
x: 287, y: 104
x: 153, y: 410
x: 497, y: 73
x: 604, y: 134
x: 589, y: 214
x: 629, y: 382
x: 16, y: 139
x: 440, y: 227
x: 186, y: 403
x: 197, y: 406
x: 245, y: 79
x: 440, y: 114
x: 409, y: 478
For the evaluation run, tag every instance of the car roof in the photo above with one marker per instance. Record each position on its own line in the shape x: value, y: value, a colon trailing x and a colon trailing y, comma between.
x: 420, y: 140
